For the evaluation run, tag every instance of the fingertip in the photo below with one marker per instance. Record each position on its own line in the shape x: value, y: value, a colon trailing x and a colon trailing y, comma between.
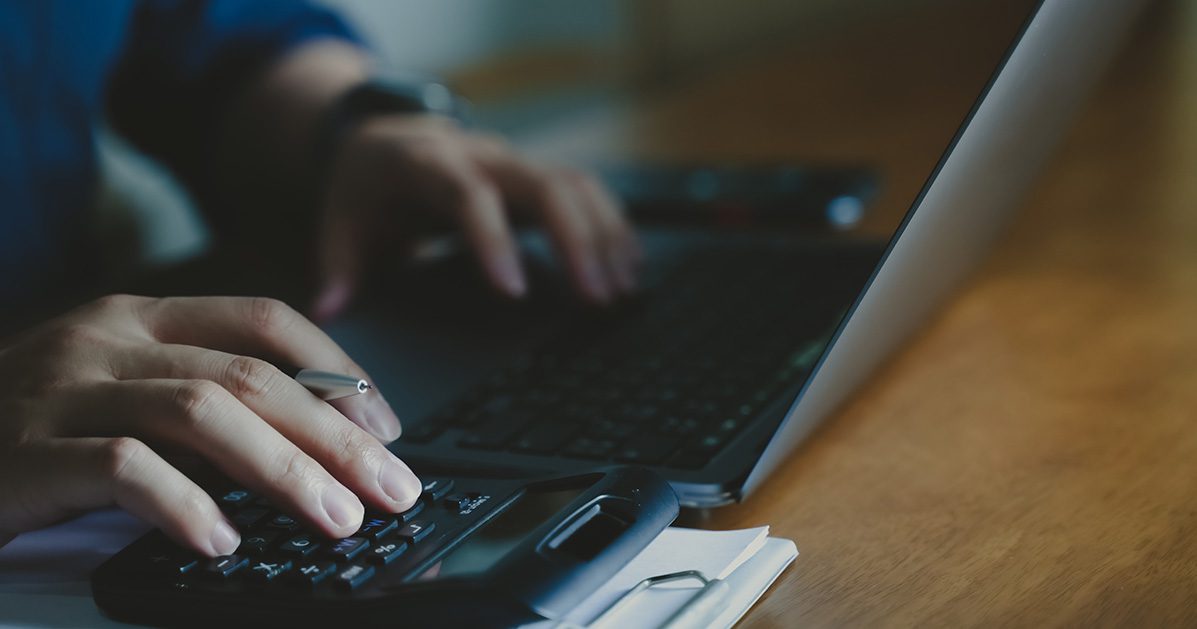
x: 342, y: 509
x: 400, y: 484
x: 508, y: 275
x: 593, y: 281
x: 331, y: 300
x: 382, y: 422
x: 224, y: 539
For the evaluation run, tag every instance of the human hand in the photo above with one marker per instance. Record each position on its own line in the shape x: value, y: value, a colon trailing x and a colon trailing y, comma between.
x: 98, y: 406
x: 396, y: 170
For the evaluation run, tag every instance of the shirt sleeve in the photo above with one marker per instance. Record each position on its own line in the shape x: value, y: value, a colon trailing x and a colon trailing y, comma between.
x: 185, y: 60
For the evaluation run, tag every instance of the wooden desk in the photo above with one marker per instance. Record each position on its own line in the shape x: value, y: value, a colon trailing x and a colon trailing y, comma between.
x: 1030, y: 459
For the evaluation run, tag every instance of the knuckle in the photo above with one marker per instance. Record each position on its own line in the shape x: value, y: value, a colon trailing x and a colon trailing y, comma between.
x: 196, y: 400
x: 75, y: 336
x: 119, y: 453
x: 294, y: 470
x: 119, y: 301
x: 355, y: 447
x: 492, y: 143
x: 249, y: 377
x: 576, y: 177
x: 197, y: 504
x: 269, y: 316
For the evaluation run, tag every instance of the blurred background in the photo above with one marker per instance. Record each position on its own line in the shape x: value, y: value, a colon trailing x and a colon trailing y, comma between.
x: 597, y: 82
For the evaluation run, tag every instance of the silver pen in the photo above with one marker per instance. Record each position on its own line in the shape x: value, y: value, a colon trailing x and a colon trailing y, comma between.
x: 328, y: 385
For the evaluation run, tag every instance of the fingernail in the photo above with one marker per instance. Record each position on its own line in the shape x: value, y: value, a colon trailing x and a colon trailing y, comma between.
x: 225, y: 539
x: 383, y: 422
x: 511, y: 276
x: 341, y: 507
x: 399, y: 483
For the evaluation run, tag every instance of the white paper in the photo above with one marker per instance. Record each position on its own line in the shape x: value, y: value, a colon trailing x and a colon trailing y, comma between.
x: 714, y: 553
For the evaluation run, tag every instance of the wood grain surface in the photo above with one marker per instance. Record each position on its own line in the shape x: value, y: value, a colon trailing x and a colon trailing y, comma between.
x: 1029, y: 459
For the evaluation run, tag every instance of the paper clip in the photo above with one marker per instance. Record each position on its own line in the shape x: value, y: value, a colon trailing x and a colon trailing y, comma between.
x: 695, y: 613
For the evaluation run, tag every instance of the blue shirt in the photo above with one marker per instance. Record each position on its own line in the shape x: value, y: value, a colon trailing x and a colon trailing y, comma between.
x: 159, y: 70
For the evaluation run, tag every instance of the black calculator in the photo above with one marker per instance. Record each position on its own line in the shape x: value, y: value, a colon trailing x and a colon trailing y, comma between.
x: 471, y: 552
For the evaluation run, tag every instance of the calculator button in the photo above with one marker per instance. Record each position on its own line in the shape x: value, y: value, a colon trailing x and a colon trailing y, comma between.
x: 347, y: 548
x: 353, y: 576
x: 248, y: 518
x: 375, y: 526
x: 234, y: 499
x: 301, y: 545
x: 410, y: 514
x: 457, y: 502
x: 257, y: 543
x: 167, y: 562
x: 383, y: 554
x: 224, y: 566
x: 436, y: 489
x: 283, y: 522
x: 266, y: 571
x: 313, y: 572
x: 416, y: 530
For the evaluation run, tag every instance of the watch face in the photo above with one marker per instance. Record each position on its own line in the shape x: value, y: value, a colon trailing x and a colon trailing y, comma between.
x: 385, y: 95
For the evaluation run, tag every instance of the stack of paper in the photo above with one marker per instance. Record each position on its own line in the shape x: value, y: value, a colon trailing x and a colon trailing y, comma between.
x: 748, y: 560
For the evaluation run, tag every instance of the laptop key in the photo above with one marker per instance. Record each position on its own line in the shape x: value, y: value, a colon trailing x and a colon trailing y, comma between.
x: 590, y: 448
x: 647, y: 448
x: 496, y: 431
x: 543, y: 437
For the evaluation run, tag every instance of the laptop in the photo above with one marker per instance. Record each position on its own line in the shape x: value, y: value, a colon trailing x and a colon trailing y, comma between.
x: 741, y: 342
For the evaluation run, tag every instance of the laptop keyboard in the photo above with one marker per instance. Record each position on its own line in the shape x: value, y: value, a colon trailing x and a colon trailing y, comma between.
x: 674, y: 376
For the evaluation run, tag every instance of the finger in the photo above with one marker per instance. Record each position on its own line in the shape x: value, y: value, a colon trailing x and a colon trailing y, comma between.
x: 339, y: 258
x: 46, y: 481
x: 268, y: 329
x: 570, y: 227
x: 353, y: 456
x: 621, y: 246
x: 203, y: 416
x: 477, y: 207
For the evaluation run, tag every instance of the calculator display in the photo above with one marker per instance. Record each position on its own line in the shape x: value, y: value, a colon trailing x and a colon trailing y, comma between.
x: 482, y: 550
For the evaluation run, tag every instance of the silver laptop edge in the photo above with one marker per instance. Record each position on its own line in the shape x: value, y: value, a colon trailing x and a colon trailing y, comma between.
x: 965, y: 203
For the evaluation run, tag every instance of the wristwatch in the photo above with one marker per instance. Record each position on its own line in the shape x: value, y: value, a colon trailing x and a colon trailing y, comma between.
x: 376, y: 96
x: 382, y: 95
